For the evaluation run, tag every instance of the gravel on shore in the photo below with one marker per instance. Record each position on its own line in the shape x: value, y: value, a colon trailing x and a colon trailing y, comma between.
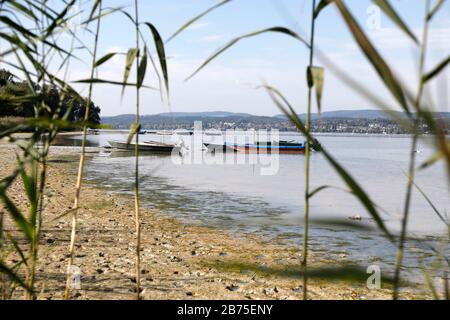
x: 178, y: 261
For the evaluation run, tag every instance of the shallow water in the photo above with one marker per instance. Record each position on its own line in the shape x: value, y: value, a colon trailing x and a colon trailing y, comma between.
x: 235, y: 196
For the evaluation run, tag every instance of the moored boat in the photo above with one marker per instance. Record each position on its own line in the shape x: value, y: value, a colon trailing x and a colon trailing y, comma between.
x: 151, y: 146
x: 282, y: 147
x: 164, y: 133
x: 213, y: 132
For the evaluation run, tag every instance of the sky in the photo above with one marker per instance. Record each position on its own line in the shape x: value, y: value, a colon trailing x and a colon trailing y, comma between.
x: 230, y: 82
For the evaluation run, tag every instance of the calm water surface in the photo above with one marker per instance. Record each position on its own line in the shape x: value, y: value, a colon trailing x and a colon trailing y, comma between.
x: 236, y: 197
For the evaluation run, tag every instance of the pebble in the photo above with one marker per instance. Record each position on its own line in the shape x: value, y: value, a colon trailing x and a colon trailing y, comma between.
x: 232, y: 288
x: 175, y: 259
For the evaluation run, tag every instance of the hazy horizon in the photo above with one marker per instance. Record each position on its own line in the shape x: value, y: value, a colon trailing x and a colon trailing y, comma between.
x: 229, y: 82
x: 243, y: 112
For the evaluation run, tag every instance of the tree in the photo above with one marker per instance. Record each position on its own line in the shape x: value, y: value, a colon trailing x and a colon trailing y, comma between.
x: 18, y: 100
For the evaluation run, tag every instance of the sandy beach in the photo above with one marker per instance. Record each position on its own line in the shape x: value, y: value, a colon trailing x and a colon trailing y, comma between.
x: 178, y: 261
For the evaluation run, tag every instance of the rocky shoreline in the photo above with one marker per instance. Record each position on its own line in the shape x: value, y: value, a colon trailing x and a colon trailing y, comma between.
x: 178, y: 261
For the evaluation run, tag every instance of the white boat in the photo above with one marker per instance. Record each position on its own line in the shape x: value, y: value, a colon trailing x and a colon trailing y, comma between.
x: 164, y: 133
x: 182, y: 132
x: 213, y: 133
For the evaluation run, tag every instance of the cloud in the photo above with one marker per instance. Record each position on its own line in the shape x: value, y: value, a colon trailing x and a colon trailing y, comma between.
x: 394, y: 38
x: 212, y: 38
x: 198, y: 25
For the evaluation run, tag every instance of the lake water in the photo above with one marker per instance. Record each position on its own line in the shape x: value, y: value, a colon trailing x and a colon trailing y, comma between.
x: 235, y: 195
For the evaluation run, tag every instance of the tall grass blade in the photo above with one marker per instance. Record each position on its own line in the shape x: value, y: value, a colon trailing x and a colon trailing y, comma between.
x: 322, y: 4
x: 435, y: 9
x: 79, y: 182
x: 131, y: 57
x: 436, y: 70
x: 135, y: 128
x: 17, y: 216
x: 282, y: 30
x: 13, y: 276
x: 373, y: 56
x: 316, y: 79
x: 392, y: 14
x: 117, y: 83
x: 359, y: 193
x: 428, y: 200
x: 105, y: 58
x: 159, y: 44
x: 196, y: 18
x: 142, y: 69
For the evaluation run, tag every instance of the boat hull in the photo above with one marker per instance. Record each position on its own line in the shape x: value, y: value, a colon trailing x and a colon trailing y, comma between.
x: 148, y: 147
x: 261, y: 148
x: 270, y: 150
x: 219, y: 148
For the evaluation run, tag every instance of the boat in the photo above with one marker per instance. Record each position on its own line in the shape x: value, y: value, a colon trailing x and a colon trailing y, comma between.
x: 164, y: 133
x: 151, y: 146
x: 213, y: 133
x: 182, y: 132
x: 214, y: 147
x: 282, y: 147
x: 94, y: 132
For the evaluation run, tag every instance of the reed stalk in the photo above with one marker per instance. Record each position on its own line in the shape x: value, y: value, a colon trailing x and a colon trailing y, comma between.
x: 307, y: 163
x: 29, y: 294
x: 82, y: 161
x: 136, y: 152
x: 412, y: 156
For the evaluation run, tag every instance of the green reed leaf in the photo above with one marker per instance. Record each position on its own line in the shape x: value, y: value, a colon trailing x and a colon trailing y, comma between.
x: 17, y: 216
x: 116, y: 83
x: 105, y: 58
x: 17, y: 248
x: 316, y: 79
x: 58, y: 20
x: 435, y: 9
x: 435, y: 209
x: 373, y: 56
x: 198, y: 17
x: 142, y: 69
x: 432, y: 160
x: 282, y: 30
x: 64, y: 214
x: 436, y: 70
x: 134, y: 129
x: 360, y: 194
x: 24, y: 31
x: 317, y: 190
x: 30, y: 183
x: 131, y: 56
x: 23, y: 9
x: 94, y: 8
x: 392, y: 14
x: 159, y: 44
x: 13, y: 276
x: 320, y: 7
